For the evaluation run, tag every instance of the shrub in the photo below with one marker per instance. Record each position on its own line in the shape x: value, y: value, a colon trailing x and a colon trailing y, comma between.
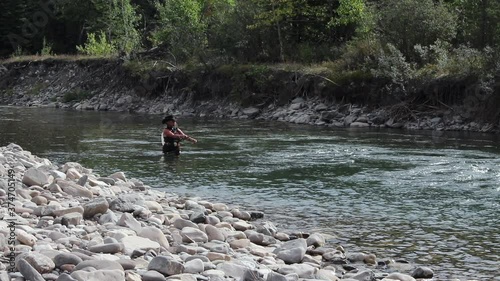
x: 97, y: 47
x: 392, y: 64
x: 46, y: 48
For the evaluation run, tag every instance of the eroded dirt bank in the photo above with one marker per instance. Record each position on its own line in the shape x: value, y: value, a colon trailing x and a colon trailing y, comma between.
x: 260, y: 92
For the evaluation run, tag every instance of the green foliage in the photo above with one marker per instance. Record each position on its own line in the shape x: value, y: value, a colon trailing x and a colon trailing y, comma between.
x: 442, y: 59
x: 185, y: 25
x: 97, y: 46
x: 478, y: 21
x: 116, y: 18
x: 360, y: 53
x: 392, y: 64
x: 76, y: 95
x: 18, y: 52
x: 349, y: 12
x: 46, y: 48
x: 406, y: 23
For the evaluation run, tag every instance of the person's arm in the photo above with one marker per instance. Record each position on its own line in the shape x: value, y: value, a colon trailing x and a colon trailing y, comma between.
x: 169, y: 134
x: 180, y: 132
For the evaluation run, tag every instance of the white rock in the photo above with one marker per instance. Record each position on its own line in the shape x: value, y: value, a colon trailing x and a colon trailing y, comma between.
x: 57, y: 174
x: 153, y: 206
x: 292, y: 251
x: 74, y: 189
x: 194, y: 266
x: 99, y: 275
x: 41, y: 263
x: 232, y: 269
x: 399, y: 277
x: 218, y: 207
x: 118, y: 176
x: 154, y: 234
x: 302, y: 270
x: 132, y: 243
x: 129, y: 221
x: 35, y: 176
x: 214, y: 233
x: 324, y: 274
x: 25, y: 238
x: 242, y: 225
x: 191, y: 234
x: 316, y: 240
x: 73, y: 174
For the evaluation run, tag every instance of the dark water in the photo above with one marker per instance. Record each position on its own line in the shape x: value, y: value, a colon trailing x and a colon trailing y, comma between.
x: 432, y: 198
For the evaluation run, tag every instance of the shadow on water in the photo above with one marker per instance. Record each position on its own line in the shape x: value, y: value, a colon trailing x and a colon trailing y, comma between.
x: 430, y: 197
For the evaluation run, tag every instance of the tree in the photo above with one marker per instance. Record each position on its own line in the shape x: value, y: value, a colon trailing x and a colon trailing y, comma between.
x: 184, y: 26
x: 479, y: 22
x: 117, y: 18
x: 406, y: 23
x: 22, y: 26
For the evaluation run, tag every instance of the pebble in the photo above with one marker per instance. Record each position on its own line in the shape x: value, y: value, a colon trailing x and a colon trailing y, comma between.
x: 423, y: 272
x: 112, y: 228
x: 166, y: 265
x: 292, y: 251
x: 99, y: 264
x: 40, y: 262
x: 153, y: 275
x: 103, y: 274
x: 28, y: 272
x: 96, y: 206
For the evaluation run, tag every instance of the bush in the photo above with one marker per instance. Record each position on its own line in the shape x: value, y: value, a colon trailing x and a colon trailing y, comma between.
x: 392, y: 64
x: 46, y: 48
x: 360, y: 53
x: 97, y: 47
x: 440, y: 59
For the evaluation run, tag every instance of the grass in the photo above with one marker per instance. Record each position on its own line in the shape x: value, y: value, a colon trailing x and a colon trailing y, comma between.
x: 68, y: 58
x: 141, y: 67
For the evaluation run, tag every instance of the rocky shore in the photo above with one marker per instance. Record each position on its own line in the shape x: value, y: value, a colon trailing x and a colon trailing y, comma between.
x: 67, y: 223
x: 104, y: 86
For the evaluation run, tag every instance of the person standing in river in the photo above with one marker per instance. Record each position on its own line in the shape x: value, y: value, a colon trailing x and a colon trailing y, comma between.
x: 172, y: 136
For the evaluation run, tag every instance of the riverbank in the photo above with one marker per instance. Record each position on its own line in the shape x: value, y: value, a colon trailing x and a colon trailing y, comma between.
x: 72, y: 224
x: 296, y: 94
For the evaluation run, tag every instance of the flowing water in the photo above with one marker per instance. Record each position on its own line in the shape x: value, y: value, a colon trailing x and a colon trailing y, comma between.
x: 432, y: 198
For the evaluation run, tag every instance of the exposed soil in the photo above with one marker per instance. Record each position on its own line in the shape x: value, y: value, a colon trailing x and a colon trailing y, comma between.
x: 262, y: 92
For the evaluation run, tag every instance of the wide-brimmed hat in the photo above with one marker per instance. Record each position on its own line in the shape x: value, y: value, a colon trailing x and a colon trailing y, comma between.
x: 168, y: 118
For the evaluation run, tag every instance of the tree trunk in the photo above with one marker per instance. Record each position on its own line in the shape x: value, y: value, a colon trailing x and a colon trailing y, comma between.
x: 280, y: 40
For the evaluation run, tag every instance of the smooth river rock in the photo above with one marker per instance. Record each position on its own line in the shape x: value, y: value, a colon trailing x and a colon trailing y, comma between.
x: 191, y: 234
x: 34, y: 176
x: 422, y: 272
x: 292, y: 251
x: 99, y: 264
x: 94, y: 207
x: 40, y: 262
x: 67, y: 258
x: 28, y: 271
x: 99, y: 275
x: 166, y: 265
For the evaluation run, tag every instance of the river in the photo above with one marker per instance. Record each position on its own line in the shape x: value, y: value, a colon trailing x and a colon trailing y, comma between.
x: 432, y: 198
